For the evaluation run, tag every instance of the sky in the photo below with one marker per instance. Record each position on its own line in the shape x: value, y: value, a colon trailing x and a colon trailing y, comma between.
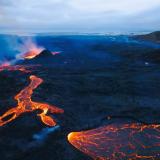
x: 87, y: 16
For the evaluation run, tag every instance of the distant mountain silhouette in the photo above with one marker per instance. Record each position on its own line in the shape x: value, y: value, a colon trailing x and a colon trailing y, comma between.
x: 154, y: 37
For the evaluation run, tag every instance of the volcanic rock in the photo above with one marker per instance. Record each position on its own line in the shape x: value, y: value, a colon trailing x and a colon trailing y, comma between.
x: 45, y: 57
x: 44, y: 54
x: 152, y: 56
x: 154, y: 37
x: 95, y: 80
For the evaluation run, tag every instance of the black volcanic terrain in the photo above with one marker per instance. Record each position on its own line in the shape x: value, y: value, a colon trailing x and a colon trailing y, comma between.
x: 153, y: 37
x: 97, y: 80
x: 153, y: 56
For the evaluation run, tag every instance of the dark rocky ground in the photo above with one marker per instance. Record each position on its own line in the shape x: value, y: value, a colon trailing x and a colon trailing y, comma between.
x: 154, y: 37
x: 91, y: 81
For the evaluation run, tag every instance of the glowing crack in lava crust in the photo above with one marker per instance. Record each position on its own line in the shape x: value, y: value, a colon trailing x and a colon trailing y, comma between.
x: 25, y: 104
x: 119, y: 142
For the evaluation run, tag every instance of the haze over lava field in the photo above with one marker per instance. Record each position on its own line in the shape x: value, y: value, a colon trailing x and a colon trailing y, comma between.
x: 108, y: 87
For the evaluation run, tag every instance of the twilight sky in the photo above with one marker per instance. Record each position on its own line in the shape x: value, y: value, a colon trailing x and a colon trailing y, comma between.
x: 79, y: 16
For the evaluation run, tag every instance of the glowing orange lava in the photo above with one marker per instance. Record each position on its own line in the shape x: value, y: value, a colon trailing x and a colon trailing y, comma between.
x: 22, y: 68
x: 31, y: 54
x: 119, y: 142
x: 25, y: 104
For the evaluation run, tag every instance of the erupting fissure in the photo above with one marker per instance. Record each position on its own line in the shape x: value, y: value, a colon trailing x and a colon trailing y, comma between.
x: 31, y: 54
x: 119, y: 142
x: 25, y: 104
x: 34, y: 53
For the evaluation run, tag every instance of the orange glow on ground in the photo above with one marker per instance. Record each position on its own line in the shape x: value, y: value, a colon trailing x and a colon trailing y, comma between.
x: 119, y: 142
x: 5, y: 64
x: 25, y: 104
x: 22, y: 68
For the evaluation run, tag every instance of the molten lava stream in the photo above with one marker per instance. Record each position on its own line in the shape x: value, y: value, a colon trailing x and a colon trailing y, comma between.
x: 22, y: 68
x: 25, y: 104
x: 119, y: 142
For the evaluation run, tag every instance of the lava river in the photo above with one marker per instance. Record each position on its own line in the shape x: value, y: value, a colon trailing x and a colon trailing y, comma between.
x: 119, y: 142
x: 25, y: 104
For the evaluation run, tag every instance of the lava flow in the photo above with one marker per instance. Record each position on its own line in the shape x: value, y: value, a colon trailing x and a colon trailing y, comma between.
x: 119, y: 142
x: 25, y: 104
x: 22, y: 68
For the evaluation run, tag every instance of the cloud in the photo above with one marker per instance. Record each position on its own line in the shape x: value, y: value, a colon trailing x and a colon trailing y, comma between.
x: 79, y: 15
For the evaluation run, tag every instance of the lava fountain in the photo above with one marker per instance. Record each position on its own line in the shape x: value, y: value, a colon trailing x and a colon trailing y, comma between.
x: 119, y: 142
x: 31, y: 54
x: 29, y: 49
x: 34, y: 53
x: 25, y: 104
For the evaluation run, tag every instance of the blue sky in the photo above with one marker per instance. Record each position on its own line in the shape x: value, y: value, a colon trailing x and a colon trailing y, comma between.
x: 100, y: 16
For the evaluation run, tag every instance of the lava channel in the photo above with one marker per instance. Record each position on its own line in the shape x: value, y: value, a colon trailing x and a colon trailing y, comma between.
x: 119, y: 142
x: 25, y: 104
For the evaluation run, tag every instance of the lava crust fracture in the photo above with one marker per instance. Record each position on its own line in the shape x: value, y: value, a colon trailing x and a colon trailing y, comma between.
x: 119, y: 142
